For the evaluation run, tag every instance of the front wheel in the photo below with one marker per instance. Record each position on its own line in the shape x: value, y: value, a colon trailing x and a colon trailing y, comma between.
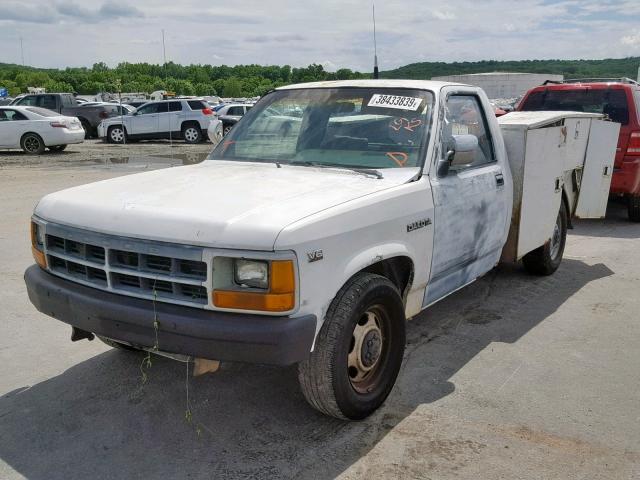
x: 226, y: 130
x: 116, y: 134
x: 358, y: 351
x: 546, y: 259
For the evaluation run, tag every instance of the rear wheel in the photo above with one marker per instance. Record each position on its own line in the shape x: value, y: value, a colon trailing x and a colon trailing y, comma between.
x: 32, y: 143
x: 88, y: 129
x: 546, y: 259
x: 633, y: 207
x: 116, y: 134
x: 358, y: 351
x: 57, y: 148
x: 191, y: 133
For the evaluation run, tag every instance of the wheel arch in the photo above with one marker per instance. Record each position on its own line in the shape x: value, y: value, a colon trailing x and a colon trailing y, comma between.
x: 109, y: 127
x: 565, y: 200
x: 187, y: 123
x: 31, y: 133
x: 393, y: 262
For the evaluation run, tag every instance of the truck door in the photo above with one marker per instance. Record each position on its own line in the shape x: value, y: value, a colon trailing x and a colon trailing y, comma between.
x: 471, y: 203
x: 146, y: 119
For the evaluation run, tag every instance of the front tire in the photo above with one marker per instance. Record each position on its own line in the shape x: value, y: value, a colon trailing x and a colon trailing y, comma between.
x: 358, y: 351
x: 633, y: 207
x: 226, y: 129
x: 546, y: 259
x: 116, y: 134
x: 32, y: 144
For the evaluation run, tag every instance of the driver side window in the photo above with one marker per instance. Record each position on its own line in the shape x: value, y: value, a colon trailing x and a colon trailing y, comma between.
x: 147, y: 109
x: 465, y: 116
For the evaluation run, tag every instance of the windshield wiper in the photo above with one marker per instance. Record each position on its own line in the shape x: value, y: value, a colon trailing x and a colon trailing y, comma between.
x: 364, y: 171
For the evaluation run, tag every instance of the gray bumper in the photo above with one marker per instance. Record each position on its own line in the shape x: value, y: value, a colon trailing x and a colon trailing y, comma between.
x: 183, y: 330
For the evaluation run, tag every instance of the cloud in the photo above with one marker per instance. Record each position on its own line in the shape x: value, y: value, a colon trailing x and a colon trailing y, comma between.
x: 115, y: 10
x: 65, y: 10
x: 299, y: 33
x: 443, y: 15
x: 19, y: 13
x: 631, y: 40
x: 278, y: 38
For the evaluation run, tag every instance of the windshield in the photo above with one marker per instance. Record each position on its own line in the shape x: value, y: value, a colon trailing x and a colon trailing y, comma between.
x: 43, y: 112
x: 343, y: 127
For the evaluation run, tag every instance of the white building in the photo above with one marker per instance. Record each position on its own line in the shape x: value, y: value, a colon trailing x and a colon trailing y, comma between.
x: 502, y: 84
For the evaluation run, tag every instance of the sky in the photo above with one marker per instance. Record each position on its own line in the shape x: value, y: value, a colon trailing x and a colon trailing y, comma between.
x: 335, y: 33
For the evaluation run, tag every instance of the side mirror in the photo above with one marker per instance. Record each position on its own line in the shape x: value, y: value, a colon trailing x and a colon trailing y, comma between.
x: 460, y: 152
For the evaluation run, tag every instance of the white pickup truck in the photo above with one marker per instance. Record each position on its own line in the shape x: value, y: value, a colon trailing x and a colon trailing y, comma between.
x: 328, y: 216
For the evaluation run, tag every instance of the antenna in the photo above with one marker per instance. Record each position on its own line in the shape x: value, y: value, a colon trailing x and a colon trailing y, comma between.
x: 164, y: 52
x: 21, y: 51
x: 375, y: 45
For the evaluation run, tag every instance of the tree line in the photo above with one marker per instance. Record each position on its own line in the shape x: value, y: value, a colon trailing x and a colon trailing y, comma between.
x: 256, y: 80
x: 225, y: 81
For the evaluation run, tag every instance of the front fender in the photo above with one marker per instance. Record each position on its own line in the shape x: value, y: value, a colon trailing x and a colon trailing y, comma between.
x: 372, y: 255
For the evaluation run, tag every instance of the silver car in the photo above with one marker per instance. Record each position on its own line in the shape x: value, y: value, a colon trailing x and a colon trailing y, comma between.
x: 177, y: 118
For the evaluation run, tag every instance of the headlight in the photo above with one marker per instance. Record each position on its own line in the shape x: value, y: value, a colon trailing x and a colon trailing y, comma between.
x: 37, y: 244
x: 251, y: 273
x: 251, y: 284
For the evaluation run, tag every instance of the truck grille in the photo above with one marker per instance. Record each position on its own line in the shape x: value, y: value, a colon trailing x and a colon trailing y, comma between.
x: 165, y: 272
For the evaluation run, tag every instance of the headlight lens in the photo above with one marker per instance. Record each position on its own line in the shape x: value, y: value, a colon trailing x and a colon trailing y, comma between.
x: 251, y: 273
x: 260, y: 285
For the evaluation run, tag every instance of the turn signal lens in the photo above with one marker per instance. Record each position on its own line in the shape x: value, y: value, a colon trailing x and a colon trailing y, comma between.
x: 279, y: 298
x: 37, y: 242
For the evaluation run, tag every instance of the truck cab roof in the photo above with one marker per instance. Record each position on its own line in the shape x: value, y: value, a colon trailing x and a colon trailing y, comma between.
x: 384, y: 83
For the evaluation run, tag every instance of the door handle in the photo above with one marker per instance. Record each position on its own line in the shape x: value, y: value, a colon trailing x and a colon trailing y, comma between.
x: 499, y: 180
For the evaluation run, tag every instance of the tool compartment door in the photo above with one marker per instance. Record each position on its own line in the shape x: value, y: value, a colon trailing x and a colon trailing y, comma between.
x: 598, y: 169
x: 541, y: 187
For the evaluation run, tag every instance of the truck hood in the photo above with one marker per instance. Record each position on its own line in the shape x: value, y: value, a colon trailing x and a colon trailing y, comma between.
x: 215, y: 203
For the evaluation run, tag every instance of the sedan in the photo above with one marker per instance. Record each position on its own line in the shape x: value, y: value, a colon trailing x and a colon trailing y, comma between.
x: 33, y: 129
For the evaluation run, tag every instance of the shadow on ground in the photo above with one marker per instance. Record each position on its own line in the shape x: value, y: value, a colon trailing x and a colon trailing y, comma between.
x: 616, y: 224
x: 97, y: 420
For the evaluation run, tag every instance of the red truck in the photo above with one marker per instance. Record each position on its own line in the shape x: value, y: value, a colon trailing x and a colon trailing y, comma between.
x: 617, y: 98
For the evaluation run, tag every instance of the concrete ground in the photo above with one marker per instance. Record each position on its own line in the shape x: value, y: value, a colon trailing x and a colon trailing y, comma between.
x: 513, y: 377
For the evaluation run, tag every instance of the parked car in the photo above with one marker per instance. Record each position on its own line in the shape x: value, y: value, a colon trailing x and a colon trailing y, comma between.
x: 312, y: 245
x: 231, y: 113
x: 123, y: 109
x: 185, y: 119
x: 619, y: 99
x: 66, y: 104
x: 215, y: 131
x: 33, y: 129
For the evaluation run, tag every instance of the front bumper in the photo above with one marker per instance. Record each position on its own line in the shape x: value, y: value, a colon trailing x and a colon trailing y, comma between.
x: 182, y: 330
